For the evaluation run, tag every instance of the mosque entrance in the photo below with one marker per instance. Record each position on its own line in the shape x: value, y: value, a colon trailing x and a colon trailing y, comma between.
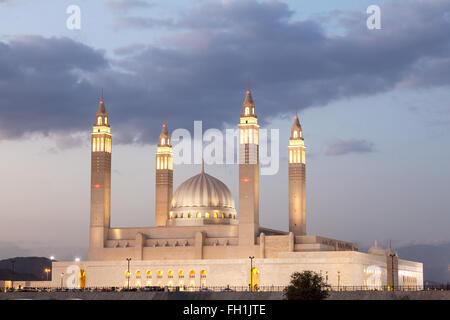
x: 82, y: 279
x: 253, y: 281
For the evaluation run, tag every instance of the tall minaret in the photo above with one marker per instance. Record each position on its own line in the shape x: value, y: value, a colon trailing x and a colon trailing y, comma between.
x: 248, y: 173
x: 164, y: 178
x: 100, y: 180
x: 297, y: 185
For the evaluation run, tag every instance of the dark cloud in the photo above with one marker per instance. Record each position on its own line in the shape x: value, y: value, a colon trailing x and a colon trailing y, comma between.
x: 44, y: 85
x: 339, y: 147
x: 199, y: 67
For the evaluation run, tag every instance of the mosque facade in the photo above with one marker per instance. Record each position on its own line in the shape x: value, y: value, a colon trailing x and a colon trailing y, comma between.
x: 200, y: 239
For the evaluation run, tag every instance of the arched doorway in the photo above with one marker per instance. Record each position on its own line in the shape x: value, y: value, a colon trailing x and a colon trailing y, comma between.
x: 82, y: 279
x: 203, y: 278
x: 253, y: 280
x: 149, y: 278
x: 138, y: 282
x: 181, y: 280
x: 191, y: 280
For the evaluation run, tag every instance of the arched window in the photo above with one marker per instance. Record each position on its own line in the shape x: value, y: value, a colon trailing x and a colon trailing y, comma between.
x: 247, y: 110
x: 207, y: 215
x: 181, y: 274
x: 189, y: 215
x: 163, y: 141
x: 159, y: 274
x: 99, y: 121
x: 216, y: 215
x: 138, y: 274
x: 295, y: 134
x: 199, y: 215
x: 170, y: 274
x: 192, y: 274
x: 106, y: 120
x: 223, y: 215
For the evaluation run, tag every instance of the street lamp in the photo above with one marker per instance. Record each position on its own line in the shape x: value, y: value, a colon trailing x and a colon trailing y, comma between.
x: 392, y: 255
x: 128, y: 272
x: 339, y: 280
x: 251, y: 272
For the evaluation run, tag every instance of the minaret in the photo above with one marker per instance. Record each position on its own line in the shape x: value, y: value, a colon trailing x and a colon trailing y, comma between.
x: 164, y: 178
x: 100, y: 180
x: 248, y: 173
x: 297, y: 184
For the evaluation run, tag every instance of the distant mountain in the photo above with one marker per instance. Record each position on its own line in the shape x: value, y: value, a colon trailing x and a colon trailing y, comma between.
x: 435, y: 259
x: 25, y: 269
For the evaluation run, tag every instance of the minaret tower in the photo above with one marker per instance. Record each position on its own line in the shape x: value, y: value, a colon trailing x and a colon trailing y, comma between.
x: 164, y: 178
x: 248, y: 173
x: 297, y: 184
x: 100, y: 180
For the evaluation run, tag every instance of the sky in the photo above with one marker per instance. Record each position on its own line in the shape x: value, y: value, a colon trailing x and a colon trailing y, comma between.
x: 373, y: 104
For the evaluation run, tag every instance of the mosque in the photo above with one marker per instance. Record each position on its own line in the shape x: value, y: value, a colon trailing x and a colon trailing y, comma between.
x: 200, y: 239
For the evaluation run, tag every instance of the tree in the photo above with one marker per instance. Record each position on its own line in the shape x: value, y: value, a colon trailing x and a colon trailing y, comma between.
x: 306, y: 285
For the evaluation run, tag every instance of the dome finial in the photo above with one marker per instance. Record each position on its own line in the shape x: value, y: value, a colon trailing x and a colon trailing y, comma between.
x: 203, y: 165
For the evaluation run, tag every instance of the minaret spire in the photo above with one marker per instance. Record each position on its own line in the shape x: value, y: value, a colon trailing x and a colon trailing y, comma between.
x: 297, y: 179
x: 164, y: 177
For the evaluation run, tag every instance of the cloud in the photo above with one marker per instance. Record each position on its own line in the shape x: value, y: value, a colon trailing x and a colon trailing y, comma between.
x: 198, y: 67
x: 339, y: 147
x: 122, y: 6
x: 129, y: 49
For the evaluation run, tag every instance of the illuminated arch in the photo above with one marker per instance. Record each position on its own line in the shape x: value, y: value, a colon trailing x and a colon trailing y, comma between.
x: 99, y: 121
x: 247, y: 111
x: 138, y: 282
x: 82, y: 279
x: 253, y: 280
x: 203, y: 278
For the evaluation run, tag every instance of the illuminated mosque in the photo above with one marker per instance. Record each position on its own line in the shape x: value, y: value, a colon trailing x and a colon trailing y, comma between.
x: 201, y: 239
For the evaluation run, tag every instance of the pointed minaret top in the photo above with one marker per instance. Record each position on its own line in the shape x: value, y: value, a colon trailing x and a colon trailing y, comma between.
x: 164, y: 137
x: 296, y: 130
x: 248, y: 107
x: 101, y: 108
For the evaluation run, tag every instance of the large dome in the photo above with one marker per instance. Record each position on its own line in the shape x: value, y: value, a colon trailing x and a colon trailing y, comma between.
x: 203, y: 197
